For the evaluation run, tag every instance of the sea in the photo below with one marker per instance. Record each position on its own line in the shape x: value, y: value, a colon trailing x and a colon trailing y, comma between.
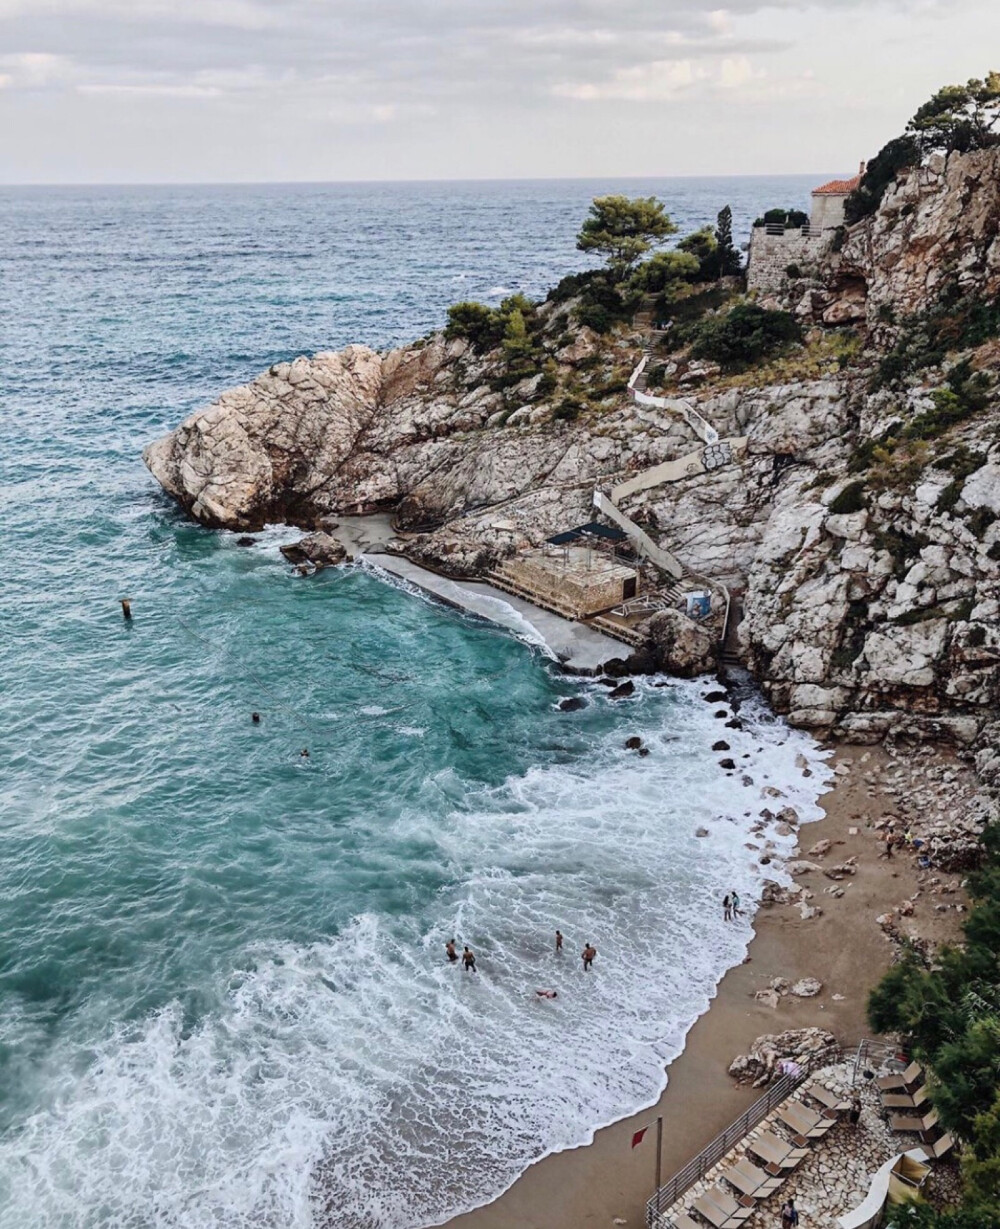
x: 224, y: 998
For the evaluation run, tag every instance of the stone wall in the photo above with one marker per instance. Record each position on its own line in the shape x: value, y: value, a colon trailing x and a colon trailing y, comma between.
x: 585, y: 593
x: 771, y: 254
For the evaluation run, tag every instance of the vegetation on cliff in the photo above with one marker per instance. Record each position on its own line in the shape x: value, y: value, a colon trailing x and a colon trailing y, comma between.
x: 958, y: 118
x: 949, y: 1016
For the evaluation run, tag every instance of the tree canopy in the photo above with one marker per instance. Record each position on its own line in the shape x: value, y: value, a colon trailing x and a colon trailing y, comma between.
x: 960, y: 117
x: 624, y: 230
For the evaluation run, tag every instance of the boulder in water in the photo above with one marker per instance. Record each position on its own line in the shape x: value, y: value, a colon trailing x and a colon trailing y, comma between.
x: 572, y: 704
x: 320, y: 549
x: 622, y: 690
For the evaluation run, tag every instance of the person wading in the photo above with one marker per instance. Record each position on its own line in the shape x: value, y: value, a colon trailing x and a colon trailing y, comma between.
x: 449, y: 947
x: 727, y: 909
x: 588, y: 954
x: 559, y: 942
x: 469, y: 959
x: 737, y: 912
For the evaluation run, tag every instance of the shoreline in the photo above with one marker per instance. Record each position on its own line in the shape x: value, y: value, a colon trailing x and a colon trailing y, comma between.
x: 606, y: 1181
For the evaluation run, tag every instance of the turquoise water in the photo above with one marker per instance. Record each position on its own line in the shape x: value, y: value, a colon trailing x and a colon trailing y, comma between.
x: 223, y: 1000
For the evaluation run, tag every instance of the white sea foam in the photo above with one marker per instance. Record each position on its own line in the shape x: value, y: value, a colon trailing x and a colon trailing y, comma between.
x: 364, y: 1079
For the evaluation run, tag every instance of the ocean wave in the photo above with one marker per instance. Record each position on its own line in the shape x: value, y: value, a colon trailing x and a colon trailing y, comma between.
x: 365, y: 1080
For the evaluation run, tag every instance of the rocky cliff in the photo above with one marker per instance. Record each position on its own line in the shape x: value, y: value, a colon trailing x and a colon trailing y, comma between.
x: 862, y: 524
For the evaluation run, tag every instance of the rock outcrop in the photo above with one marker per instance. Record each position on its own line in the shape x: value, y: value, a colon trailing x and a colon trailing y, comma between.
x: 860, y: 528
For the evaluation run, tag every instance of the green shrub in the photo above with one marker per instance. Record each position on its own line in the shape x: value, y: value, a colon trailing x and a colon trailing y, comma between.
x: 976, y: 637
x: 568, y: 409
x: 850, y: 499
x: 547, y: 385
x: 793, y: 271
x: 994, y: 552
x: 899, y: 154
x: 979, y: 520
x: 745, y: 335
x: 949, y: 497
x: 480, y: 325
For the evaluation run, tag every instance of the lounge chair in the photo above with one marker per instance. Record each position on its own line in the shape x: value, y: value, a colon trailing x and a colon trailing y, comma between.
x: 749, y: 1180
x: 829, y: 1100
x: 800, y: 1119
x: 775, y: 1151
x: 901, y: 1079
x: 905, y: 1122
x: 683, y: 1221
x: 904, y: 1100
x: 722, y: 1210
x: 939, y: 1148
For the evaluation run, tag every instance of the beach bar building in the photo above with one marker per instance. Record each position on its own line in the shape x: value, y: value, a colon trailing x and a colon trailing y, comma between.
x: 579, y: 573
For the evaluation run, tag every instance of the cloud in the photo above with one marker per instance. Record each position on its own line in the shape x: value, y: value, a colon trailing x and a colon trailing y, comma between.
x: 656, y: 82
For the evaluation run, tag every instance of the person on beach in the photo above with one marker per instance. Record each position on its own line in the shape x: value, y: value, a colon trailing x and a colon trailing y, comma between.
x: 789, y: 1216
x: 469, y: 959
x: 727, y: 908
x: 890, y: 838
x: 854, y: 1114
x: 736, y: 906
x: 449, y: 947
x: 588, y: 954
x: 559, y: 942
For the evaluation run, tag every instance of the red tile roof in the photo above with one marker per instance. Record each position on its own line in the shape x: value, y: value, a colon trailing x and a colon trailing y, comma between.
x: 837, y: 187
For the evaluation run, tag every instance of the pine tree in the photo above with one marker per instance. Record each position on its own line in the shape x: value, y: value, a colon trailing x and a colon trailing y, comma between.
x: 729, y: 263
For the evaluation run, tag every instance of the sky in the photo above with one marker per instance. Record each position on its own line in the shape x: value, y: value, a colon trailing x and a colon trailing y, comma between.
x: 161, y: 91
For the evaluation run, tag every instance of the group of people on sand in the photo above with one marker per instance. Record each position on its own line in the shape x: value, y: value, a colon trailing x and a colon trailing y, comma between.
x: 468, y: 959
x: 731, y: 907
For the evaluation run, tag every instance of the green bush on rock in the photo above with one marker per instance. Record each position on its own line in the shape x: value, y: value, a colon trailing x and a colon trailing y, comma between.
x: 744, y: 335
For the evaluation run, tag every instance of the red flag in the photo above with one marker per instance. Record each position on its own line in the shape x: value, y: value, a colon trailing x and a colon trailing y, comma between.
x: 637, y: 1137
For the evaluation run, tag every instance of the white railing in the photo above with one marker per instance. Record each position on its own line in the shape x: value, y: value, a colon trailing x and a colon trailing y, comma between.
x: 673, y: 405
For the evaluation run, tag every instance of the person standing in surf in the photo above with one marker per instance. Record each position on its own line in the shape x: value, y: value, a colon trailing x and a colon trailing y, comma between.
x: 588, y: 954
x: 727, y: 909
x: 449, y: 947
x: 559, y: 942
x: 736, y: 906
x: 469, y: 959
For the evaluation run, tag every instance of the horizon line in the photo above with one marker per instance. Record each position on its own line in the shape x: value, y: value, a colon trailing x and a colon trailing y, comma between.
x: 326, y: 183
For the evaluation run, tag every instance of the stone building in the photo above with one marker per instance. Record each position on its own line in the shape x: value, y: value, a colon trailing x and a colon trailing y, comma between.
x: 576, y: 573
x: 774, y: 248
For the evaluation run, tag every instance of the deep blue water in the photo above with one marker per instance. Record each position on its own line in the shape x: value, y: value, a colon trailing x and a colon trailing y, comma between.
x: 222, y: 999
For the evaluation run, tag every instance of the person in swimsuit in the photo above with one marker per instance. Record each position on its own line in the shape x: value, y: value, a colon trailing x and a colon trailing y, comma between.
x: 559, y: 942
x: 449, y: 947
x: 546, y: 994
x: 588, y: 954
x: 727, y: 909
x: 469, y: 959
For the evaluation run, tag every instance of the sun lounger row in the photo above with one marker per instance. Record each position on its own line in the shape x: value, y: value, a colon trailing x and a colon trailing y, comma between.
x: 903, y: 1091
x: 777, y: 1157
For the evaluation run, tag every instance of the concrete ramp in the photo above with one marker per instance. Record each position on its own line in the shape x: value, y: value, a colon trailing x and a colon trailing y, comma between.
x: 641, y: 540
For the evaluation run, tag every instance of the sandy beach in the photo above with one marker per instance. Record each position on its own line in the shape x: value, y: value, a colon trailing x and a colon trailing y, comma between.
x: 607, y: 1182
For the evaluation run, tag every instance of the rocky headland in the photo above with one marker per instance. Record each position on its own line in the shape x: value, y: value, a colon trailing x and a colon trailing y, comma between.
x: 860, y: 527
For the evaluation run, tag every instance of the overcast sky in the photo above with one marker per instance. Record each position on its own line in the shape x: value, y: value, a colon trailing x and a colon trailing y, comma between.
x: 220, y: 90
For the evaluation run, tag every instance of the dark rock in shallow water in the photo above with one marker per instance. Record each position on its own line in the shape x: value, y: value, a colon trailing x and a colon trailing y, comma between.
x: 633, y: 743
x: 572, y: 704
x: 727, y: 764
x: 246, y: 540
x: 622, y: 690
x: 713, y: 697
x: 319, y: 549
x: 606, y: 682
x: 735, y: 724
x: 720, y: 714
x: 643, y: 751
x: 721, y: 745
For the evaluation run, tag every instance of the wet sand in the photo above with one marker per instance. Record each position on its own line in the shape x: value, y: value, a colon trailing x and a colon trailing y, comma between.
x: 607, y: 1182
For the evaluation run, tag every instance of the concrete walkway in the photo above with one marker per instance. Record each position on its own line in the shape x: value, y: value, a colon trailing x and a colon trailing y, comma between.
x: 578, y: 648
